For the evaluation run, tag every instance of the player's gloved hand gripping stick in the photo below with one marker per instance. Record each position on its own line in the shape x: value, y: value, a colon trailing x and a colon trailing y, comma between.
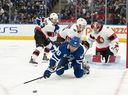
x: 44, y: 76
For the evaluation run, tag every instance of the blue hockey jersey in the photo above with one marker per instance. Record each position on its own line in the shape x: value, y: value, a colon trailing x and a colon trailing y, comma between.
x: 63, y: 51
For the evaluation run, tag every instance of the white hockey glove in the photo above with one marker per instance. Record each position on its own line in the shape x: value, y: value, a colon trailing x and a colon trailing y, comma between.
x: 114, y: 48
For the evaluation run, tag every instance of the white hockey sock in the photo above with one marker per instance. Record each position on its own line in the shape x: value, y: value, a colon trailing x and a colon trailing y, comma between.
x: 36, y: 53
x: 49, y: 46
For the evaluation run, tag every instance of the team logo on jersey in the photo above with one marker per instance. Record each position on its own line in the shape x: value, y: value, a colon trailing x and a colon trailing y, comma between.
x: 100, y: 39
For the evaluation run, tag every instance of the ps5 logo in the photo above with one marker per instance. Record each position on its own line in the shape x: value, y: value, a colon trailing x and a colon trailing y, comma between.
x: 9, y: 30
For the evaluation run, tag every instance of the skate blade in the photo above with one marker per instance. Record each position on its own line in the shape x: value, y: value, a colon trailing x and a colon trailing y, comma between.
x: 45, y: 61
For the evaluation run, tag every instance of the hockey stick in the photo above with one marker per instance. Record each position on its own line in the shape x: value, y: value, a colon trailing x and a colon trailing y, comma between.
x: 33, y: 79
x: 41, y: 76
x: 7, y: 90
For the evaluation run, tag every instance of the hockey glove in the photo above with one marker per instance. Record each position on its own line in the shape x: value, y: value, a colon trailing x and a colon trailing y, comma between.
x: 86, y: 44
x: 114, y: 47
x: 48, y: 72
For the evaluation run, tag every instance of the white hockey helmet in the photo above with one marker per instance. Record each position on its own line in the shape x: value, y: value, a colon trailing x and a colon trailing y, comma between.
x: 81, y: 23
x: 54, y: 17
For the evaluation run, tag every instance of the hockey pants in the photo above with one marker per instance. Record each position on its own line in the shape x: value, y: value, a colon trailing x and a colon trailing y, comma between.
x: 78, y: 69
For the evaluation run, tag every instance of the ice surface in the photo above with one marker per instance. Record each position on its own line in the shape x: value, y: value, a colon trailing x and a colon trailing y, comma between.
x: 15, y: 70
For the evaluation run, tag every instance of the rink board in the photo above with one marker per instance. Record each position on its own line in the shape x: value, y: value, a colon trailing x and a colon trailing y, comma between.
x: 26, y: 31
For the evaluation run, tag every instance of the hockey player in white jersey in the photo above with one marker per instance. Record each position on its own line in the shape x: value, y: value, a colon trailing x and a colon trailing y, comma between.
x: 77, y: 29
x: 107, y: 44
x: 45, y: 35
x: 70, y: 54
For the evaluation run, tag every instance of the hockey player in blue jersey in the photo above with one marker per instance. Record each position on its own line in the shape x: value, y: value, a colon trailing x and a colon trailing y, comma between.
x: 69, y: 53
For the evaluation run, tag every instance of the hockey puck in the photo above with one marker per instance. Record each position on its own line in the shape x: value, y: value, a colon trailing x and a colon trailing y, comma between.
x: 34, y: 91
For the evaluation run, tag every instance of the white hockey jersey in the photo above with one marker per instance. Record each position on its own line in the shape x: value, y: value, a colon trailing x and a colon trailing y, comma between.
x: 69, y: 32
x: 103, y: 38
x: 49, y: 30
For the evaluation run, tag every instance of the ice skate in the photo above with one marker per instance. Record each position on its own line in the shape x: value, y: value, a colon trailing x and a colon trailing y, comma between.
x: 45, y: 58
x: 86, y: 68
x: 32, y: 61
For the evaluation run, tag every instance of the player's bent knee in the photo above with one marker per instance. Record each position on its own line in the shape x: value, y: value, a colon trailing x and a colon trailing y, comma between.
x: 59, y: 72
x: 78, y: 73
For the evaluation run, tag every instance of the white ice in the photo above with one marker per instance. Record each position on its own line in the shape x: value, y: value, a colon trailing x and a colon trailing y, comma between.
x: 15, y: 70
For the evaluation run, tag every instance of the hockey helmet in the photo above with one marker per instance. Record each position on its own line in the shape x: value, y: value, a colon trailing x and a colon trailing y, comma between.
x: 54, y: 17
x: 75, y: 42
x: 81, y: 23
x: 96, y: 26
